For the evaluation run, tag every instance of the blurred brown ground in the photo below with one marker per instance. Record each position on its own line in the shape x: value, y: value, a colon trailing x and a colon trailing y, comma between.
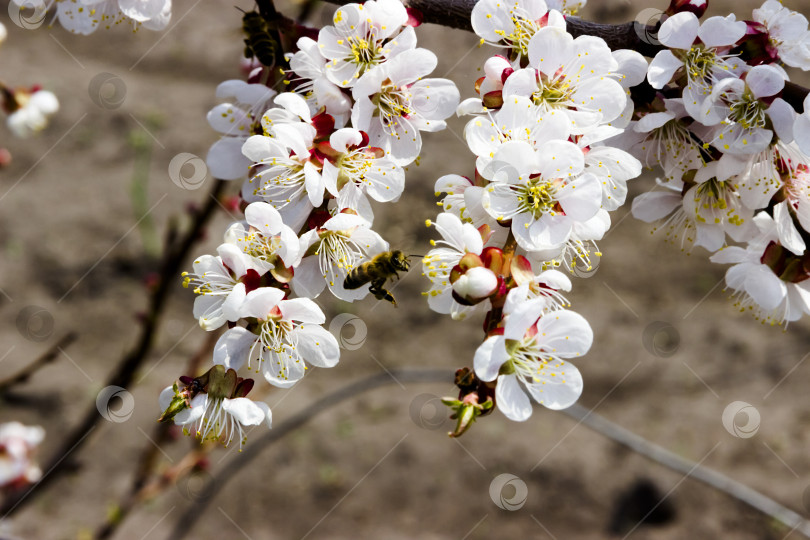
x: 67, y: 206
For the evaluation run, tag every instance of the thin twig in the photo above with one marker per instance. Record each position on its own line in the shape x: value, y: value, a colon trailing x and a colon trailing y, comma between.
x: 191, y: 516
x: 49, y: 356
x: 708, y: 476
x: 129, y: 364
x: 188, y: 519
x: 150, y: 454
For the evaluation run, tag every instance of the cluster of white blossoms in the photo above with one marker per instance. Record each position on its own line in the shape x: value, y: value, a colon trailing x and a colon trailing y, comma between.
x: 311, y: 160
x: 86, y: 16
x: 18, y: 445
x: 735, y: 153
x: 538, y: 203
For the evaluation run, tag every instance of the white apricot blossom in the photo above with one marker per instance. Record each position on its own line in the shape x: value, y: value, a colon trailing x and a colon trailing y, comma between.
x: 700, y: 52
x: 283, y: 176
x: 86, y: 16
x: 333, y: 250
x: 576, y: 76
x: 528, y: 360
x: 458, y: 239
x: 236, y: 119
x: 220, y: 283
x: 753, y: 276
x: 393, y: 103
x: 364, y: 36
x: 512, y: 23
x: 288, y: 332
x: 215, y: 417
x: 312, y: 83
x: 353, y: 165
x: 543, y: 193
x: 787, y: 32
x: 746, y: 114
x: 268, y: 243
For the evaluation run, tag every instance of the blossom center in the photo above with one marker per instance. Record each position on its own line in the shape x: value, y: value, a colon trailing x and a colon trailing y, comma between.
x: 716, y: 202
x: 353, y: 167
x: 276, y: 334
x: 538, y: 197
x: 552, y: 92
x: 527, y: 360
x: 365, y: 52
x: 700, y: 62
x: 259, y: 246
x: 748, y: 111
x: 392, y: 102
x: 281, y: 183
x: 522, y: 33
x: 337, y: 250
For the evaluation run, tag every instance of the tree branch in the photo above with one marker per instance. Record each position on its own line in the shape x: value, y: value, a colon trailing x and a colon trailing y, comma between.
x: 191, y: 516
x: 630, y: 35
x: 45, y: 359
x: 148, y: 460
x: 129, y: 364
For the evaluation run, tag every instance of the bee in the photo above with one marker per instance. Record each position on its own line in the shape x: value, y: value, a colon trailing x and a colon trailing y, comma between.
x: 377, y: 271
x: 259, y: 42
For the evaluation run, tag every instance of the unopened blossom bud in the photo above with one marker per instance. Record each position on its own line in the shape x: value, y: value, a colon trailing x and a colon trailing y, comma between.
x: 698, y: 7
x: 493, y: 258
x: 475, y: 398
x: 475, y: 284
x: 466, y: 411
